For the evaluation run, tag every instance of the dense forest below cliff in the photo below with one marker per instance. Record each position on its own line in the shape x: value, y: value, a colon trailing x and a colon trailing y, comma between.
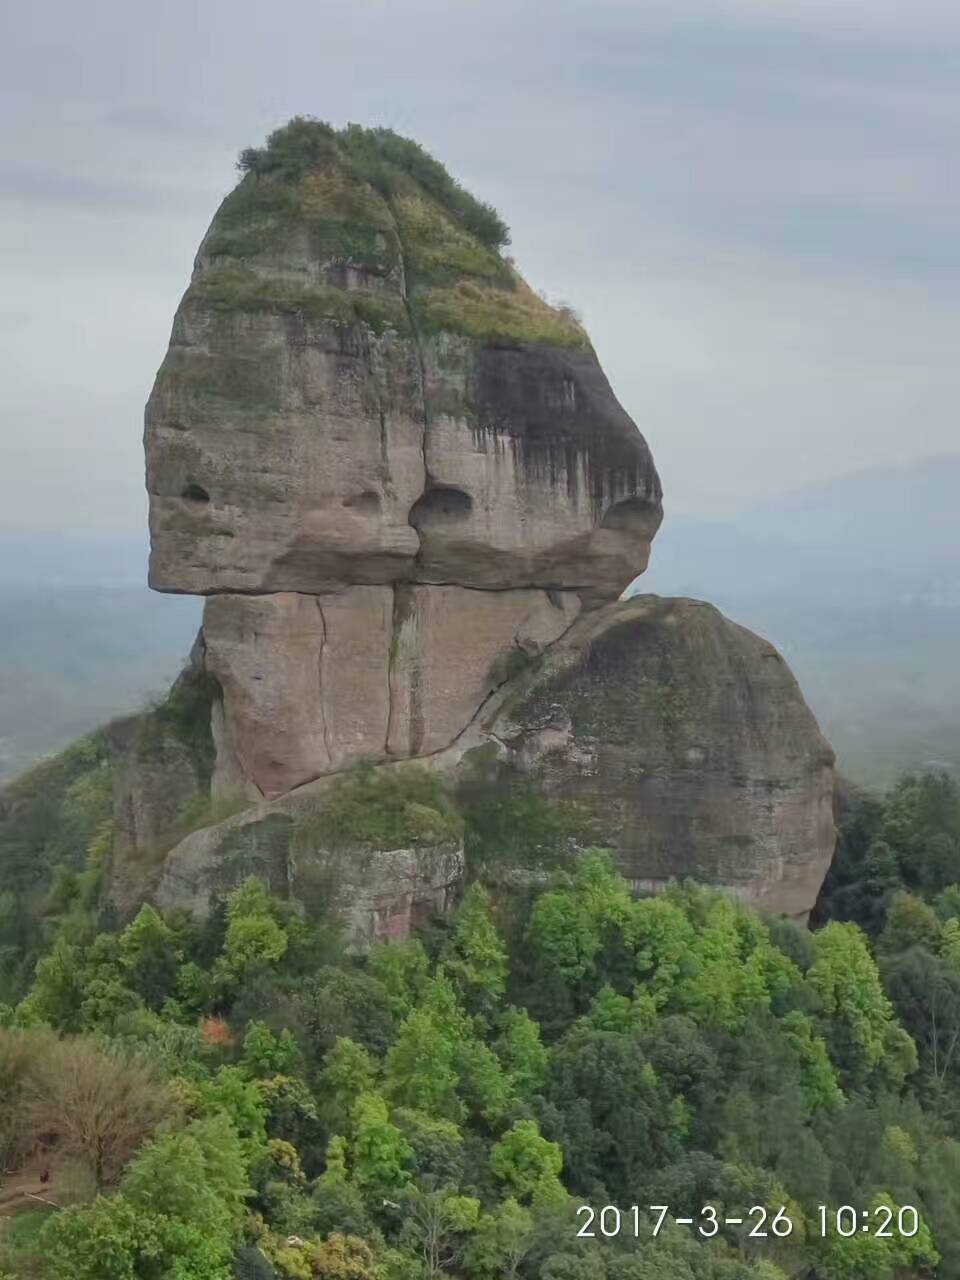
x: 244, y: 1097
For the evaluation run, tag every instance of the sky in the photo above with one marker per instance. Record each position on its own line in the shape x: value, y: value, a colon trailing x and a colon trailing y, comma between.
x: 753, y: 204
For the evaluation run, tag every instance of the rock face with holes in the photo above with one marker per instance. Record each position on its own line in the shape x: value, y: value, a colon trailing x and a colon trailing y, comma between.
x: 411, y: 497
x: 407, y: 411
x: 393, y: 469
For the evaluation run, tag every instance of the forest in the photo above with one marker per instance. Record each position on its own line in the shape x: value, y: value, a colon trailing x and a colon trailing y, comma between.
x: 247, y: 1097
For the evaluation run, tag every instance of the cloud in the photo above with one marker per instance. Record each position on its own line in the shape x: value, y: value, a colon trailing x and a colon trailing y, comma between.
x: 752, y: 201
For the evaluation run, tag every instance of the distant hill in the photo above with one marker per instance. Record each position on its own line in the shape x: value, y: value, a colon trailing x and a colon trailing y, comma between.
x: 857, y: 581
x: 82, y: 639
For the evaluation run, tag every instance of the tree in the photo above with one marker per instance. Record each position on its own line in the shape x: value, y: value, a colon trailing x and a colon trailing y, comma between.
x: 58, y: 990
x: 379, y: 1152
x: 501, y: 1242
x: 253, y: 934
x: 474, y: 958
x: 19, y: 1051
x: 528, y: 1163
x: 343, y: 1257
x: 337, y: 1205
x: 177, y: 1214
x: 100, y: 1105
x: 619, y: 1121
x: 910, y: 922
x: 661, y: 938
x: 266, y: 1054
x: 196, y: 1176
x: 950, y: 944
x: 857, y: 1016
x: 875, y: 1257
x: 342, y: 1002
x: 403, y: 970
x: 111, y: 1239
x: 734, y: 969
x: 525, y: 1060
x: 925, y: 991
x: 568, y: 924
x: 818, y: 1077
x: 437, y: 1225
x: 149, y: 955
x: 242, y: 1102
x: 420, y: 1069
x: 439, y: 1157
x: 348, y: 1072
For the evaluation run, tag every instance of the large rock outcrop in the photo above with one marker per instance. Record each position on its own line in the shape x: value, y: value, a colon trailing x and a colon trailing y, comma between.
x: 687, y: 739
x: 387, y: 462
x: 361, y: 390
x: 405, y: 486
x: 682, y: 740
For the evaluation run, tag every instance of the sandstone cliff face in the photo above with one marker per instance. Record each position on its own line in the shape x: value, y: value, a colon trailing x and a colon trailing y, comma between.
x: 360, y: 391
x: 314, y: 683
x: 388, y: 463
x: 409, y: 494
x: 682, y: 737
x: 688, y: 740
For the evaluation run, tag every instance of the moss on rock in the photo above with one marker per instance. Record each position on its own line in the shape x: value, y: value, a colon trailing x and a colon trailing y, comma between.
x: 383, y: 809
x: 373, y: 201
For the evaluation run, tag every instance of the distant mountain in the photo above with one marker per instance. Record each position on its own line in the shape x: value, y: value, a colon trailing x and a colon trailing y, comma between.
x: 82, y: 639
x: 857, y: 581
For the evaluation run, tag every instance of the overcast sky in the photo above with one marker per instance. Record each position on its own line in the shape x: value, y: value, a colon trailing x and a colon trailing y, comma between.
x: 753, y: 204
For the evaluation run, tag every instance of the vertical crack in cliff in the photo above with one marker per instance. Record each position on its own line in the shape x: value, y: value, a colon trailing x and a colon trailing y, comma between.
x: 421, y: 361
x: 384, y: 445
x: 391, y: 661
x: 404, y: 610
x: 321, y: 683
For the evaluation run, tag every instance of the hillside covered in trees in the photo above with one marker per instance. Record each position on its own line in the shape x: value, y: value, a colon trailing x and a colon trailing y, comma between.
x: 244, y: 1098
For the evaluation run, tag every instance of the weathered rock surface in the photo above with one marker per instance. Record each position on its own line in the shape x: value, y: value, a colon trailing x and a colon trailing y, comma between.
x: 162, y: 761
x: 390, y: 465
x: 360, y: 391
x: 378, y: 894
x: 688, y: 740
x: 411, y: 496
x: 314, y: 683
x: 683, y: 737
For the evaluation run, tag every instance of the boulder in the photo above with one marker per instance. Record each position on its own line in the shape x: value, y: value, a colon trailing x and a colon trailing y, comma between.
x: 686, y: 738
x: 311, y: 846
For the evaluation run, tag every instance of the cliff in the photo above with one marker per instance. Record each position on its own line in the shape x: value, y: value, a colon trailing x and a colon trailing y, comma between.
x: 412, y: 500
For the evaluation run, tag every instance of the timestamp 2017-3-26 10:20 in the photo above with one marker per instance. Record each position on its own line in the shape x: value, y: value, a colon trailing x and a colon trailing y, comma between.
x: 758, y: 1223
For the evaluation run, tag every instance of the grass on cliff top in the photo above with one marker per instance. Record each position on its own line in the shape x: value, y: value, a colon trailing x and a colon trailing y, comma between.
x: 484, y: 311
x: 382, y: 809
x: 346, y: 219
x: 238, y: 288
x: 374, y: 200
x: 378, y: 157
x: 437, y: 250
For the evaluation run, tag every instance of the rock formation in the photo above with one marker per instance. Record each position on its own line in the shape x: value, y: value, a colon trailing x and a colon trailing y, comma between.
x: 405, y: 486
x: 382, y: 456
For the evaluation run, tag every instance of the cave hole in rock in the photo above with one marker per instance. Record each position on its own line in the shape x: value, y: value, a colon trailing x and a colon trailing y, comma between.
x: 440, y: 505
x: 366, y: 503
x: 195, y: 493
